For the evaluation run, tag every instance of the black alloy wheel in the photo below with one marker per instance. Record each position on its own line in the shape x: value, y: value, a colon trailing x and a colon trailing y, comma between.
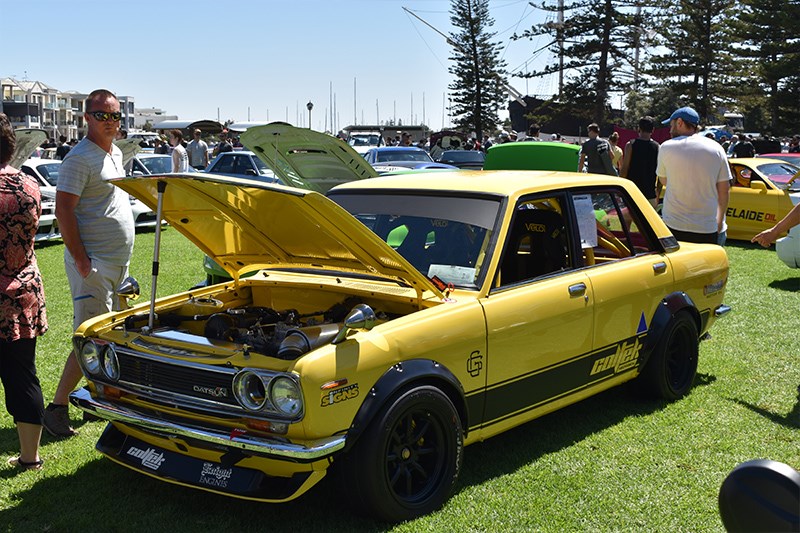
x: 407, y: 462
x: 673, y: 365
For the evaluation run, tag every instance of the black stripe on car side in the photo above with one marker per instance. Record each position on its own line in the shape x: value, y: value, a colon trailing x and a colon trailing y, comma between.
x: 523, y: 393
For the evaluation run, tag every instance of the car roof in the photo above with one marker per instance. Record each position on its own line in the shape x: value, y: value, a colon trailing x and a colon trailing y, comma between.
x: 499, y: 182
x: 35, y: 161
x: 397, y: 148
x: 755, y: 160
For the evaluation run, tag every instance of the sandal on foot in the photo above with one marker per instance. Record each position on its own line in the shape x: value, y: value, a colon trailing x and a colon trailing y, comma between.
x: 22, y: 465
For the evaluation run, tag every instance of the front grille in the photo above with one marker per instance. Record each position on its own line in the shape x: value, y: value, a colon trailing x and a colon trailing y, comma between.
x: 203, y: 383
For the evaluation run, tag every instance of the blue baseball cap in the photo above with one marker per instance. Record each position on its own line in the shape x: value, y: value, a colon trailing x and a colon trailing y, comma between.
x: 686, y: 113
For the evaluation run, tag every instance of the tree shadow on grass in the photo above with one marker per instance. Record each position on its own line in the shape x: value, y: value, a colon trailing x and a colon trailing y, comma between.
x: 790, y: 420
x: 104, y: 493
x: 788, y: 285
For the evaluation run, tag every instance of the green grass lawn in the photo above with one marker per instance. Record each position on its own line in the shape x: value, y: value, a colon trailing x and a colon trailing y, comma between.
x: 610, y: 463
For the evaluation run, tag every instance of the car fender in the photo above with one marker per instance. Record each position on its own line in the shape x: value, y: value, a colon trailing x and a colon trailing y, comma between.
x: 670, y: 305
x: 403, y: 376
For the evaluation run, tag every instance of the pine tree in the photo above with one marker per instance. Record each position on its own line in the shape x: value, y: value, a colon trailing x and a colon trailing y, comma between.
x: 698, y: 66
x: 599, y: 42
x: 477, y: 91
x: 767, y: 36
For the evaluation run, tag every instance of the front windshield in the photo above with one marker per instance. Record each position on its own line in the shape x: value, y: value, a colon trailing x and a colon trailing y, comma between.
x: 448, y: 238
x: 263, y: 169
x: 779, y: 173
x: 157, y: 165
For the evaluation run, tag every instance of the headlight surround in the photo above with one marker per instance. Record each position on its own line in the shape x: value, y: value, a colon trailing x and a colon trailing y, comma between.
x: 249, y: 390
x: 110, y: 362
x: 286, y: 397
x: 90, y: 357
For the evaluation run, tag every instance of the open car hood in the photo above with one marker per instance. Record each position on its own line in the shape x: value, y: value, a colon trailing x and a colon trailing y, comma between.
x: 305, y: 158
x: 27, y: 141
x: 245, y: 226
x: 129, y: 147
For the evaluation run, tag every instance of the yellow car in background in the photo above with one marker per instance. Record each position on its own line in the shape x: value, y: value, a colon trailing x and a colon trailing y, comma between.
x: 504, y: 296
x: 760, y: 195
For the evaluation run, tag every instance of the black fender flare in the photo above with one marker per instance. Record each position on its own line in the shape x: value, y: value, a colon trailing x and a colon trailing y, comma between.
x: 400, y: 377
x: 668, y: 308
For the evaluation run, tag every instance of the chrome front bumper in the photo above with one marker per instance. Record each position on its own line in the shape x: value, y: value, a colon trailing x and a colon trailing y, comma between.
x: 315, y: 450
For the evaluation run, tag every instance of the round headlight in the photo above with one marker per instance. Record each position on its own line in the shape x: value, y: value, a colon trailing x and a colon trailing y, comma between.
x: 285, y: 396
x: 249, y: 390
x: 90, y: 357
x: 110, y: 362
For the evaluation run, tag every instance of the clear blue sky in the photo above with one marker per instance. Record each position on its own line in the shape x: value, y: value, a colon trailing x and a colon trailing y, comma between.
x: 204, y: 59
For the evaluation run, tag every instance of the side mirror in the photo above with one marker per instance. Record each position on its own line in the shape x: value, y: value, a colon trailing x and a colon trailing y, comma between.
x: 127, y: 291
x: 758, y: 186
x: 360, y: 317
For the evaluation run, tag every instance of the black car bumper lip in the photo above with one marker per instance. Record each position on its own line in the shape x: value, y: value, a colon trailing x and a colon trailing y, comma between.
x: 310, y: 452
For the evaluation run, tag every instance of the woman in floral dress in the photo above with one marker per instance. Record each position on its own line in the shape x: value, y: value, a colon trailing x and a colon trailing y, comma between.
x: 22, y: 308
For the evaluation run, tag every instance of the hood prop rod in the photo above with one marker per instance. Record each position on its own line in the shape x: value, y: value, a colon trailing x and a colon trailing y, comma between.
x: 162, y: 186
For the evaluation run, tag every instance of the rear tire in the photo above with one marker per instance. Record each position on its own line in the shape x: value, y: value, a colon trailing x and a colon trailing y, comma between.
x: 409, y: 458
x: 670, y: 372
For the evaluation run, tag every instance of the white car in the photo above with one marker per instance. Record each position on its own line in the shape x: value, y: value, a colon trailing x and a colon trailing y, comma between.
x: 361, y: 141
x: 45, y: 172
x: 788, y: 248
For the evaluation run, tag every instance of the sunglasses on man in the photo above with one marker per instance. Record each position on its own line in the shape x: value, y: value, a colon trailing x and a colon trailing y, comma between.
x: 103, y: 116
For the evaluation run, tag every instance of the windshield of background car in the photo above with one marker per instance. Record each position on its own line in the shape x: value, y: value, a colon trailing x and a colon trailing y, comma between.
x: 447, y: 238
x: 49, y: 171
x: 364, y: 140
x: 463, y: 156
x: 779, y: 173
x: 157, y: 165
x: 403, y: 155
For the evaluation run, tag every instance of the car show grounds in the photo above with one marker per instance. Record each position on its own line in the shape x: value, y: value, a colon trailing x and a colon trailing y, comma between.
x: 604, y: 464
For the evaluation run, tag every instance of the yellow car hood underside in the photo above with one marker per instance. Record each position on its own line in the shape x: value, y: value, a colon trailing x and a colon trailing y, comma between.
x: 245, y: 225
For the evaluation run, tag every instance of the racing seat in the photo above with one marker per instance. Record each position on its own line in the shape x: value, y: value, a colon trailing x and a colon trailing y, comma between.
x: 414, y: 247
x: 537, y: 245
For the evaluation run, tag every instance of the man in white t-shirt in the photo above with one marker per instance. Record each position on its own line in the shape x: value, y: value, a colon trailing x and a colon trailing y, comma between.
x: 697, y: 177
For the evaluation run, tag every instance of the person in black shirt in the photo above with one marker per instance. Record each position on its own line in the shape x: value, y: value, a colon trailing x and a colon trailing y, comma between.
x: 744, y: 148
x: 63, y: 148
x: 640, y: 159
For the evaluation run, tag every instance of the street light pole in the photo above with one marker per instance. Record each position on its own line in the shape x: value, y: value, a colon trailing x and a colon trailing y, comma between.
x: 309, y: 106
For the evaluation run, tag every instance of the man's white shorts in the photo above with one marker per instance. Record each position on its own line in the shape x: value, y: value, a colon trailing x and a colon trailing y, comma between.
x: 94, y: 294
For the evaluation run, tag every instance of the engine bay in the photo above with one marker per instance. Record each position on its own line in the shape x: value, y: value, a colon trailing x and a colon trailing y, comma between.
x: 285, y: 334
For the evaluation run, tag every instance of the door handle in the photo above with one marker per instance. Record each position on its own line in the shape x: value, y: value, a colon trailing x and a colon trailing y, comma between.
x: 660, y: 267
x: 578, y: 289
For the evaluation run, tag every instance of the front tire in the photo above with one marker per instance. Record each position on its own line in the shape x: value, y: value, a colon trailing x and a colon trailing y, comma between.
x: 408, y: 460
x: 670, y: 372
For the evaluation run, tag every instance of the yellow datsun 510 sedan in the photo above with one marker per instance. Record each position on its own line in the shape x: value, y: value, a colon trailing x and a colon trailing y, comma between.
x: 507, y: 295
x: 763, y: 192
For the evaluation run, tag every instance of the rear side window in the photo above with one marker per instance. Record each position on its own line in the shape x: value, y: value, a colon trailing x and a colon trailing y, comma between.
x: 611, y: 228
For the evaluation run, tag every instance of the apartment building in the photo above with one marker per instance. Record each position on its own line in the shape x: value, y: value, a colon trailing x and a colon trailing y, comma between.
x: 34, y: 104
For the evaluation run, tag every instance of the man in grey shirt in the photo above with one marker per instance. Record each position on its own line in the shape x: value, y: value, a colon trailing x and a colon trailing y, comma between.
x: 198, y: 151
x: 97, y: 227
